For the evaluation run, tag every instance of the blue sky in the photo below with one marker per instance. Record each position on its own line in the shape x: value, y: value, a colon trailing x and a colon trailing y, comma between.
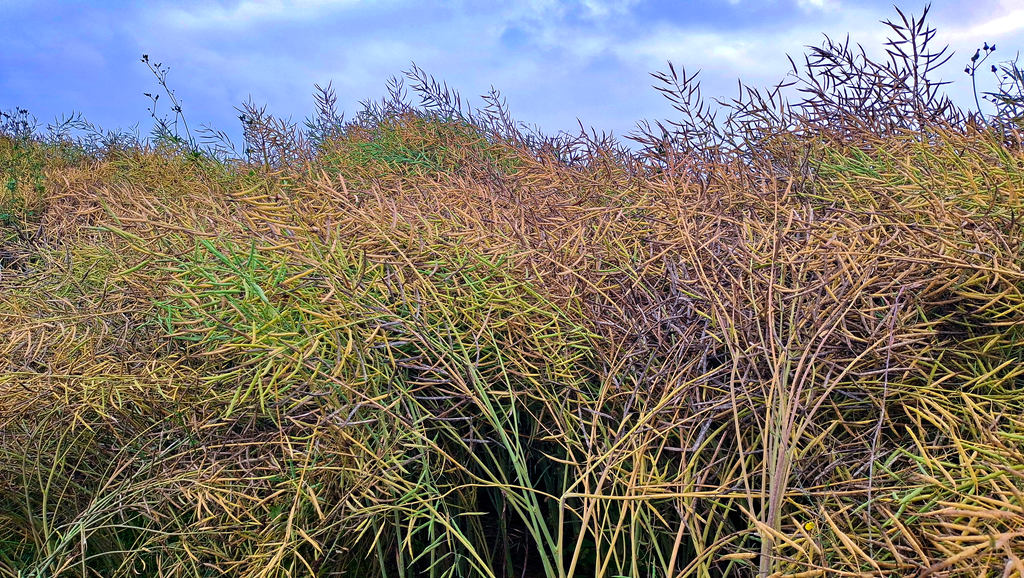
x: 554, y: 61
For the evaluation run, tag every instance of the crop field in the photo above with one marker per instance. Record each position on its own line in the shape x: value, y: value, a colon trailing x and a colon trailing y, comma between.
x: 427, y: 341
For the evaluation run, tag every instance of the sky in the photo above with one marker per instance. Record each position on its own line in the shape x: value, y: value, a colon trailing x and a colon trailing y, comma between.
x: 553, y: 61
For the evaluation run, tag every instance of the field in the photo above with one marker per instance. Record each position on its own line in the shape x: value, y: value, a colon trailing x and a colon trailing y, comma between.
x: 428, y: 342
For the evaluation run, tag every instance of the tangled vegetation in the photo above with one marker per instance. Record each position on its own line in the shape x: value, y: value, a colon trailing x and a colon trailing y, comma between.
x: 430, y: 342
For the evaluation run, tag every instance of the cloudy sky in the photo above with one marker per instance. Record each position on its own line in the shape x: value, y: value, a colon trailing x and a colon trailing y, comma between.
x: 554, y: 61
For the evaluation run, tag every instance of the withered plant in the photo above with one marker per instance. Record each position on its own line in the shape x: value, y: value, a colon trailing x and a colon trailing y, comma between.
x: 781, y: 338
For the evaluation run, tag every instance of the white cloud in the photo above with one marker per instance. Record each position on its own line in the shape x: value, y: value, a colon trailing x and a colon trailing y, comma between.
x: 247, y: 12
x: 606, y: 8
x: 820, y: 5
x: 699, y: 49
x: 550, y: 11
x: 753, y: 55
x: 1009, y: 21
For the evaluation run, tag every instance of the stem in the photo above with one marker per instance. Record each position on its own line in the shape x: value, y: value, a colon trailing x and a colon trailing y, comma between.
x: 974, y: 86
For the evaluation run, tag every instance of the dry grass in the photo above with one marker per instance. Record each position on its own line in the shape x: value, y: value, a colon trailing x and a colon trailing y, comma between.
x: 421, y: 346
